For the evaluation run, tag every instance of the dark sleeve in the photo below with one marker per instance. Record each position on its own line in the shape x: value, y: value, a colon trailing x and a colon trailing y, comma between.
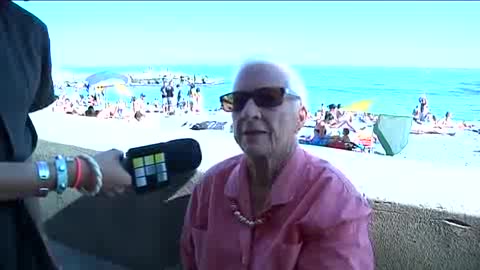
x: 45, y: 93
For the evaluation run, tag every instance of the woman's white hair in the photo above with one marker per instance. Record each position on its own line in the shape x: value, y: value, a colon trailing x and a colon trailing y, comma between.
x: 295, y: 83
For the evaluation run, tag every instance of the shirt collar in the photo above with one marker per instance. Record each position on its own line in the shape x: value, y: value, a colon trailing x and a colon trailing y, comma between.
x: 283, y: 189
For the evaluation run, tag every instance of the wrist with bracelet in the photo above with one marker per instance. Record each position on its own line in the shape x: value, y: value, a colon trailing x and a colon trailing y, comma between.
x: 64, y: 178
x: 95, y: 168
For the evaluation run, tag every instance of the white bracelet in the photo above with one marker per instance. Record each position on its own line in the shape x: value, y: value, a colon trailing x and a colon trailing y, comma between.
x: 98, y: 175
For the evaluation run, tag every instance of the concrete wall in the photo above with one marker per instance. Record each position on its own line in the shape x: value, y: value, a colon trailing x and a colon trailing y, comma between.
x: 408, y: 237
x: 142, y: 232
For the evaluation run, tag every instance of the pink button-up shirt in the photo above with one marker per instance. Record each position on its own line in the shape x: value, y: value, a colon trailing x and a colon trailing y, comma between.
x: 316, y: 220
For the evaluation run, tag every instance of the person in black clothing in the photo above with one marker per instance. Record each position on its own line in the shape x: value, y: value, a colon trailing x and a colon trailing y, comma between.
x: 169, y: 92
x: 27, y: 86
x: 90, y: 112
x: 163, y: 92
x: 180, y: 101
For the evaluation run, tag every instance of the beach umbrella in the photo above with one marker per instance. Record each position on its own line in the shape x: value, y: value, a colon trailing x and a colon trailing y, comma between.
x: 393, y: 132
x: 122, y: 90
x: 106, y: 78
x: 359, y: 106
x: 102, y: 80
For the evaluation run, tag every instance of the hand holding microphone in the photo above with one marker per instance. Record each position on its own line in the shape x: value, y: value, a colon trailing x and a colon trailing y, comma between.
x: 156, y: 166
x: 115, y: 178
x: 149, y: 168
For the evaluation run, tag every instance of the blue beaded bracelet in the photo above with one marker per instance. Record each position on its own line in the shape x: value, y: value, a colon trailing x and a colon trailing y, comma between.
x: 62, y: 174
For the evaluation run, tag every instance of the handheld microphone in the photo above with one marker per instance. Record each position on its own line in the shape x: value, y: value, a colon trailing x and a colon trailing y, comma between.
x: 153, y: 166
x: 182, y: 155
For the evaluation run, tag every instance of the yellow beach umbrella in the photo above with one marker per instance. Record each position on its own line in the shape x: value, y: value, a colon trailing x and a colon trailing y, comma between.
x: 359, y: 106
x: 122, y: 89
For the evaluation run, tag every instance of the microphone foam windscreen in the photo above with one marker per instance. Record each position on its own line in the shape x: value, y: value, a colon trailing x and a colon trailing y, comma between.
x: 182, y: 155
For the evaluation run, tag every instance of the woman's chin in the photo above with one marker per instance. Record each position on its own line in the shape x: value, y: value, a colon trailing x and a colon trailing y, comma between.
x: 256, y: 151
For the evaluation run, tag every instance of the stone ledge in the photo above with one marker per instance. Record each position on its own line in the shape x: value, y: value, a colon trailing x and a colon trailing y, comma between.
x: 405, y: 236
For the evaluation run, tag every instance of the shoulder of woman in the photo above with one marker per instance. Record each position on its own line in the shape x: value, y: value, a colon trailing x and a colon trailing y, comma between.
x: 330, y: 186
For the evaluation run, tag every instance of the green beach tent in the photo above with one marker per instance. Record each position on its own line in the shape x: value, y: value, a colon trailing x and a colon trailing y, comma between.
x: 393, y: 132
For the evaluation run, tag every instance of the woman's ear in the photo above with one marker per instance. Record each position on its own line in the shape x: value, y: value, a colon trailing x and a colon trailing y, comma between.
x: 302, y: 117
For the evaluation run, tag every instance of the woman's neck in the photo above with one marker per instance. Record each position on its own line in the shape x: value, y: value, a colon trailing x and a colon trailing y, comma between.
x: 263, y: 170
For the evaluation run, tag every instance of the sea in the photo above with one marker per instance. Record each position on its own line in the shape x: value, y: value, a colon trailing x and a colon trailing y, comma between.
x: 392, y: 90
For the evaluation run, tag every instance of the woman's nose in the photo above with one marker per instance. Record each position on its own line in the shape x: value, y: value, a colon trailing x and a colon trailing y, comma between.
x: 251, y: 110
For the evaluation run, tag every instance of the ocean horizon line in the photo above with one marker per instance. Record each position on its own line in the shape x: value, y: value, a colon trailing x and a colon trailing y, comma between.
x: 168, y: 66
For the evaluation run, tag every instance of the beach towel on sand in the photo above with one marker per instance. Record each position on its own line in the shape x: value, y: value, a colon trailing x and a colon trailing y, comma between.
x: 393, y: 132
x: 209, y: 125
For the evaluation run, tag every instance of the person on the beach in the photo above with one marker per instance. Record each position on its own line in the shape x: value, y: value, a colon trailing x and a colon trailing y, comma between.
x: 191, y: 98
x: 275, y: 206
x: 345, y: 135
x: 339, y: 112
x: 121, y: 107
x: 334, y: 123
x: 421, y: 113
x: 90, y: 112
x: 198, y: 100
x: 448, y: 122
x: 321, y: 136
x: 156, y: 105
x: 320, y: 114
x: 178, y: 95
x: 163, y: 93
x: 59, y: 103
x: 331, y: 115
x: 339, y: 125
x: 170, y: 94
x: 368, y: 118
x: 139, y: 108
x: 111, y: 111
x: 68, y: 106
x: 92, y: 100
x: 27, y: 86
x: 181, y: 103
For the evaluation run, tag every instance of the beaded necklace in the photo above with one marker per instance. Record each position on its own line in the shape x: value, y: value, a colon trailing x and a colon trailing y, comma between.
x: 244, y: 220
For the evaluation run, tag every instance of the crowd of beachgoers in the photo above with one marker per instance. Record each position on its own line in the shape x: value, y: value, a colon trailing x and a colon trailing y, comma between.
x: 334, y: 127
x: 330, y: 125
x: 175, y: 98
x: 424, y: 121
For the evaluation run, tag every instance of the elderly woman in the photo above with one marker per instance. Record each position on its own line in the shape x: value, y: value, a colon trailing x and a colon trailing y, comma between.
x: 275, y: 206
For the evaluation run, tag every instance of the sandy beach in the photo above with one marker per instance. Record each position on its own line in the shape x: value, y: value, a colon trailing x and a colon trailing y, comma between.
x: 462, y: 149
x: 433, y: 171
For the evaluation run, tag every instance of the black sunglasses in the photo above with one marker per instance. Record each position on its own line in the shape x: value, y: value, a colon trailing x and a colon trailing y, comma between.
x: 266, y: 97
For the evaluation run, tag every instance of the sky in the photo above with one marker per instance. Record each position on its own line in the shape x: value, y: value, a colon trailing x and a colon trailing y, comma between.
x: 391, y: 34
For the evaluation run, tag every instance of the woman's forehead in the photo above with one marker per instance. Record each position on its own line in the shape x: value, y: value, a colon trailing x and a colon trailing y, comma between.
x: 255, y: 76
